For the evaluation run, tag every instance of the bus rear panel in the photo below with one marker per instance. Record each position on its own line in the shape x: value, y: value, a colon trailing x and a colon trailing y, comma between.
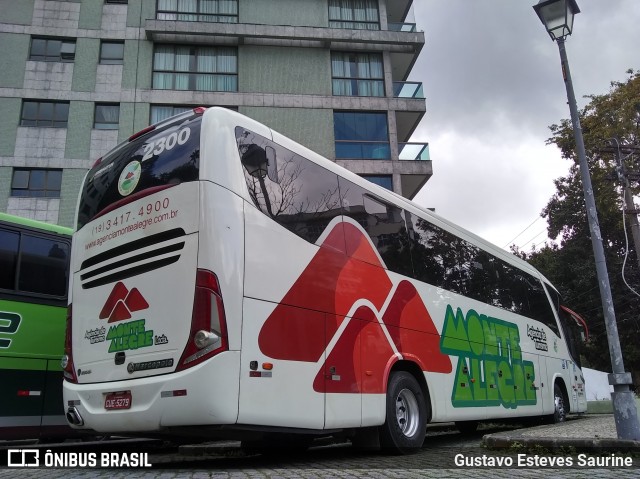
x: 146, y: 312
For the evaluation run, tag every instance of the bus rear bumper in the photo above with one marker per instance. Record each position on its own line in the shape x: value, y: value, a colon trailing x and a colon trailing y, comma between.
x: 206, y: 394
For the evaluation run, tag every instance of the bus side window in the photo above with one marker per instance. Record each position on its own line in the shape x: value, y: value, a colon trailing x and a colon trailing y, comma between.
x: 384, y: 223
x: 43, y: 266
x: 9, y: 241
x: 295, y: 192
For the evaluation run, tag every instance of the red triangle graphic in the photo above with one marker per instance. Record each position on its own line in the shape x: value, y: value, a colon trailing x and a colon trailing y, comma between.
x: 120, y: 312
x: 118, y: 293
x: 135, y: 301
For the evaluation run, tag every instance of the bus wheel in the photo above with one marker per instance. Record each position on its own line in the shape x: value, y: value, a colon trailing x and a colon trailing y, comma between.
x: 467, y: 427
x: 406, y: 425
x: 560, y: 411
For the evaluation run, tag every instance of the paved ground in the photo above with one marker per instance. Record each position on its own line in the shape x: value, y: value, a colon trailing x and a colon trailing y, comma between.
x: 446, y: 454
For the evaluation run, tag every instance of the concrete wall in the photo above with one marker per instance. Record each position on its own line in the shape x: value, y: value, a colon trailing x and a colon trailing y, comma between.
x: 71, y: 180
x: 86, y: 61
x: 19, y: 12
x: 289, y: 12
x: 79, y: 129
x: 288, y: 70
x: 91, y: 14
x: 10, y: 108
x: 13, y: 54
x: 311, y: 128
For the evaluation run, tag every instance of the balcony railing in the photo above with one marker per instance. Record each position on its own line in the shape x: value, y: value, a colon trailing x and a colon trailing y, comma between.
x: 413, y: 151
x: 402, y: 27
x: 407, y: 89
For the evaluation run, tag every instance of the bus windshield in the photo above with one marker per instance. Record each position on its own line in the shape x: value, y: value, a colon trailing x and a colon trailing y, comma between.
x: 166, y: 155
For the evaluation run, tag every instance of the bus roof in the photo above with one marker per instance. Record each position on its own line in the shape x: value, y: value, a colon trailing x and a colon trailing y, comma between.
x: 39, y: 225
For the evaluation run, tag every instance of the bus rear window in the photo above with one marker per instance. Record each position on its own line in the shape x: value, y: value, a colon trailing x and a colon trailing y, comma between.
x: 165, y: 156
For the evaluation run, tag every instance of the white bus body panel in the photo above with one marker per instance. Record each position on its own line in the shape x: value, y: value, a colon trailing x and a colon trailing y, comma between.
x: 211, y: 399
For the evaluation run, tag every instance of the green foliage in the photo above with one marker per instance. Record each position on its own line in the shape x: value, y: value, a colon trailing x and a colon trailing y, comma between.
x: 570, y: 264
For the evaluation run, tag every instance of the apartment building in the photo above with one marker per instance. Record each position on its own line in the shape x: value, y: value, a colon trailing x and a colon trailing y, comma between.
x: 78, y: 76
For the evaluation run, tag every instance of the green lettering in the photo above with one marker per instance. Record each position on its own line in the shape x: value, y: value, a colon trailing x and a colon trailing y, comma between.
x: 474, y: 331
x: 490, y: 342
x: 514, y: 341
x: 505, y: 385
x: 518, y: 381
x: 478, y: 386
x: 454, y: 338
x: 491, y: 377
x: 530, y: 375
x: 462, y: 395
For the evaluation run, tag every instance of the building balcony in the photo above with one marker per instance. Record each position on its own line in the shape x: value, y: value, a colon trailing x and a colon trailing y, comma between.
x: 402, y: 27
x: 402, y: 89
x: 413, y: 151
x: 404, y: 47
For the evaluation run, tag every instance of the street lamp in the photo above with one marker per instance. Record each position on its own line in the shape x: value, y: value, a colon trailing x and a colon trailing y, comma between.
x: 557, y: 18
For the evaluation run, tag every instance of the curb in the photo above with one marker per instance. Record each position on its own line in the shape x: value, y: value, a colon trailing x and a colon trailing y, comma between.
x: 604, y: 445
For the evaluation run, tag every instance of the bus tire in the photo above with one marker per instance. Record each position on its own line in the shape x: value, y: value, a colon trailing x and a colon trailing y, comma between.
x: 560, y: 405
x: 406, y: 416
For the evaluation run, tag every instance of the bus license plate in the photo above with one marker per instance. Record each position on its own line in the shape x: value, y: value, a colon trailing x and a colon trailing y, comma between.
x: 119, y: 400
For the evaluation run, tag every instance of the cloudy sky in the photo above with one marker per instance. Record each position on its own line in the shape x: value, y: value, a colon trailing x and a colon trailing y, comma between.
x: 493, y: 85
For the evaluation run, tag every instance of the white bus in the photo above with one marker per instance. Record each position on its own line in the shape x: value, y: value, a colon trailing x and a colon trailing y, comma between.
x: 228, y: 282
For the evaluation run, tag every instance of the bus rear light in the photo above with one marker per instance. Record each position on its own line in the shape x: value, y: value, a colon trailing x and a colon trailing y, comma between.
x: 199, y: 110
x: 208, y: 335
x: 68, y: 369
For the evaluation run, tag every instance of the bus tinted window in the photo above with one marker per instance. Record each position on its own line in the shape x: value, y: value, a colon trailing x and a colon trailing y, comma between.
x: 298, y: 194
x: 8, y: 258
x: 164, y: 156
x: 43, y: 264
x: 383, y: 222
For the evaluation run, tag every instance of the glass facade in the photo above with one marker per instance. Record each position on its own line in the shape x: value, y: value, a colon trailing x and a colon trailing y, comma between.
x: 36, y: 183
x: 360, y: 135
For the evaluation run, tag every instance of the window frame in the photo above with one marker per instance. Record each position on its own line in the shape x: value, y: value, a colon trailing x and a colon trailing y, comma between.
x: 50, y: 57
x: 199, y: 14
x: 103, y: 60
x: 351, y: 24
x: 45, y: 189
x: 16, y: 294
x: 43, y: 122
x: 105, y: 125
x: 192, y: 71
x: 383, y: 147
x: 354, y: 79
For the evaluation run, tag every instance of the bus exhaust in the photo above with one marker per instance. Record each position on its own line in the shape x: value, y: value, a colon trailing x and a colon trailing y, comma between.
x: 74, y: 417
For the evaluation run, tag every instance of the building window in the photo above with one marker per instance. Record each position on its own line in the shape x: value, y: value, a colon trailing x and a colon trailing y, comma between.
x: 162, y: 112
x: 361, y: 135
x: 111, y: 53
x: 52, y: 50
x: 36, y: 183
x: 354, y: 14
x: 195, y: 68
x: 120, y: 2
x: 357, y: 74
x: 44, y: 114
x: 106, y: 117
x: 222, y: 11
x: 386, y: 181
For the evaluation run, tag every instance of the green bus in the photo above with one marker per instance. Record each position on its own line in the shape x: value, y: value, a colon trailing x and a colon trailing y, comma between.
x: 34, y: 274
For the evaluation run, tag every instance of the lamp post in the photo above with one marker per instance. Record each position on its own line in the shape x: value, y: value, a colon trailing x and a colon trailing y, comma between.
x: 557, y: 17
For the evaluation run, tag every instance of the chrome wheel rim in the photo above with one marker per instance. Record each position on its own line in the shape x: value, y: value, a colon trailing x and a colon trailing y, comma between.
x: 559, y: 405
x: 407, y: 412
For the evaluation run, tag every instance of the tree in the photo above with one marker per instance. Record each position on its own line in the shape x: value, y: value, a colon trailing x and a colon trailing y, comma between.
x: 570, y: 264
